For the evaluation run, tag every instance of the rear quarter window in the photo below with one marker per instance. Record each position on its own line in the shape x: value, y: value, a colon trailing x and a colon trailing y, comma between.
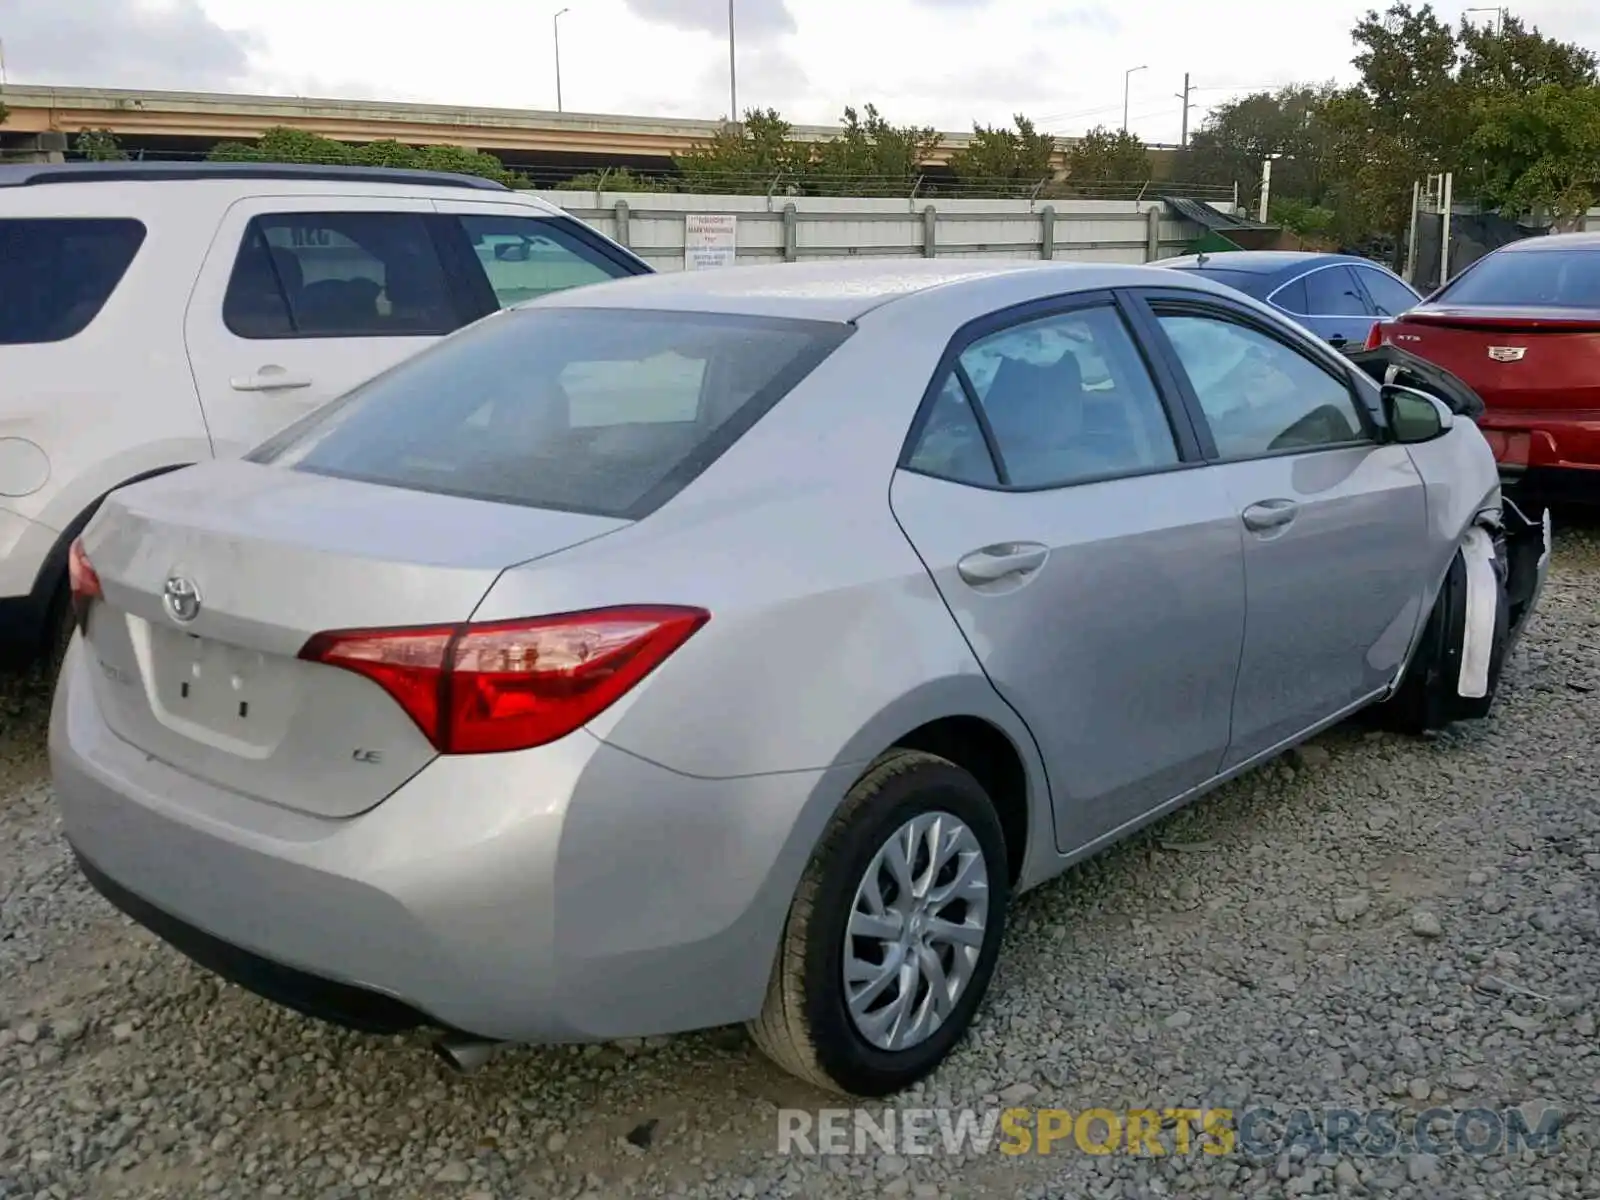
x: 56, y: 274
x: 593, y: 410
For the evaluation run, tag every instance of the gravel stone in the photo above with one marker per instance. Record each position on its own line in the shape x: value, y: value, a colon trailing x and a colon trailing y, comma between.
x: 1242, y: 953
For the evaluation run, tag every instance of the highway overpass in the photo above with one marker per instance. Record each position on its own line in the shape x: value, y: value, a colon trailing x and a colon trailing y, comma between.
x: 192, y: 122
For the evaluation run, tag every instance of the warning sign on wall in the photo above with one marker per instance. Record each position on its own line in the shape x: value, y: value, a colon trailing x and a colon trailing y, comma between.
x: 710, y: 240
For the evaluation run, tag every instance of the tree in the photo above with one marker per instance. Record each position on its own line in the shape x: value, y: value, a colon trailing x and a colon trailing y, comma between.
x: 1542, y: 150
x: 1000, y: 158
x: 1103, y: 157
x: 1406, y: 118
x: 1229, y: 147
x: 1518, y: 59
x: 99, y: 145
x: 872, y: 157
x: 751, y: 154
x: 620, y: 180
x: 282, y: 144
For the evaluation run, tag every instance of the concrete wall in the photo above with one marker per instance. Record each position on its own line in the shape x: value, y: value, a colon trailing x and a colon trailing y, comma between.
x: 789, y: 229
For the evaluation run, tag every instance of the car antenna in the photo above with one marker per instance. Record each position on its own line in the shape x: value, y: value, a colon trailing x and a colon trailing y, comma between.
x: 1200, y: 259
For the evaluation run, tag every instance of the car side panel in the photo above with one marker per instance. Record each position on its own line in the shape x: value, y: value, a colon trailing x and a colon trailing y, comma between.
x: 117, y: 401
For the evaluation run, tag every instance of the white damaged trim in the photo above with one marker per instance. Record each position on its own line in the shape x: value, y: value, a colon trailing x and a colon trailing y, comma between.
x: 1483, y: 597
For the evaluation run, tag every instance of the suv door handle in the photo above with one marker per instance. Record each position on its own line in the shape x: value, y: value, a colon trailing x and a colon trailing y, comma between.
x: 269, y: 379
x: 994, y: 563
x: 1269, y: 514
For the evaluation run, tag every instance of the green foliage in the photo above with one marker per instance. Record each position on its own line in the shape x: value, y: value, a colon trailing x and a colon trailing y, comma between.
x: 1516, y: 58
x: 747, y: 156
x: 997, y: 157
x: 4, y: 113
x: 1301, y: 217
x: 99, y: 145
x: 1542, y: 149
x: 873, y: 157
x: 620, y: 180
x: 1229, y: 148
x: 284, y: 145
x: 1104, y: 156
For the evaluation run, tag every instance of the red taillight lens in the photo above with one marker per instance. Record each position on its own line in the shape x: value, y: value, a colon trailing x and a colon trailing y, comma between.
x: 511, y: 685
x: 1375, y: 337
x: 82, y: 581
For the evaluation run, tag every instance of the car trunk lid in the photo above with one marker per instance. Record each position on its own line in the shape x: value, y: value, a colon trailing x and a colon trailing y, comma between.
x: 213, y: 580
x: 1523, y: 359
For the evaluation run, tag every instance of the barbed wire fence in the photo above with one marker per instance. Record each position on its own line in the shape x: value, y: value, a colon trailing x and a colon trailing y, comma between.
x: 929, y: 185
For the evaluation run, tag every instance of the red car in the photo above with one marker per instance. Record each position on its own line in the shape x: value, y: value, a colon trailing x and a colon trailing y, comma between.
x: 1521, y: 327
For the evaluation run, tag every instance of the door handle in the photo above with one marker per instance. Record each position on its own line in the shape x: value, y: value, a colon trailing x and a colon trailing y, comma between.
x: 1337, y: 341
x: 1269, y: 514
x: 269, y: 379
x: 994, y: 563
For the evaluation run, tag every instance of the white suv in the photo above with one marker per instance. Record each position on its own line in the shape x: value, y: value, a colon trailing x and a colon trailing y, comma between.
x: 155, y: 315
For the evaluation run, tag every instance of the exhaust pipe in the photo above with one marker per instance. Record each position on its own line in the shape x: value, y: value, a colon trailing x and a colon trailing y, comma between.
x: 464, y: 1054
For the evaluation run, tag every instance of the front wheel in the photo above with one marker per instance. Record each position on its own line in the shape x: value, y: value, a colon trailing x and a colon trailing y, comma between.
x: 1428, y: 697
x: 893, y: 934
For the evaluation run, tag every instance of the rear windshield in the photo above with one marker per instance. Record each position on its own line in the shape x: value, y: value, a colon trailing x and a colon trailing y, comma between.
x: 1530, y: 279
x: 57, y: 273
x: 592, y: 410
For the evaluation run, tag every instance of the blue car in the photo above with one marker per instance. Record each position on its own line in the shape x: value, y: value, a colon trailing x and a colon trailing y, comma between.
x: 1339, y: 297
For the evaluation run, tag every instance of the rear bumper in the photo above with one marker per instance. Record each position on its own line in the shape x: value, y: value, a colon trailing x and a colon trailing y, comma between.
x: 1528, y: 440
x: 1552, y: 485
x: 569, y: 893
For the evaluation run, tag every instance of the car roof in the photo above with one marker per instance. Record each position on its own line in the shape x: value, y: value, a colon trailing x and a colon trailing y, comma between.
x: 1265, y: 262
x: 836, y: 290
x: 1554, y: 241
x: 35, y: 174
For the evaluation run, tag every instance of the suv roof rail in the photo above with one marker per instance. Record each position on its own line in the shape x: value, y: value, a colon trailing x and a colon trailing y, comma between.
x: 27, y: 174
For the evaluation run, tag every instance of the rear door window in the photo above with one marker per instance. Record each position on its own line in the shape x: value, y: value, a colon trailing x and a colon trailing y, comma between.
x: 56, y: 274
x: 528, y: 257
x: 593, y: 410
x: 349, y: 274
x: 1334, y: 292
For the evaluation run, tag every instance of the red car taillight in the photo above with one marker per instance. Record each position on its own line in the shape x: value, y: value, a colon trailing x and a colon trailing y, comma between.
x: 83, y: 583
x: 511, y: 685
x: 1375, y: 337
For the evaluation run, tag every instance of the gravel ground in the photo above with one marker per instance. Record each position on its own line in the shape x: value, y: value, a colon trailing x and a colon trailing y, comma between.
x: 1377, y: 923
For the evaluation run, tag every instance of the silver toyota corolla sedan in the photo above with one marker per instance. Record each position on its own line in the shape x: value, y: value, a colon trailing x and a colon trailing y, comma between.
x: 735, y: 646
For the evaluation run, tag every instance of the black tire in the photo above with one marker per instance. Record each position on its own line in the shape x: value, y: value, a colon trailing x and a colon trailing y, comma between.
x: 1427, y: 699
x: 805, y: 1025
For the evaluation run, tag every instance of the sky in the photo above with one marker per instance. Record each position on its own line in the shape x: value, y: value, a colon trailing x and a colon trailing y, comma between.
x: 945, y: 63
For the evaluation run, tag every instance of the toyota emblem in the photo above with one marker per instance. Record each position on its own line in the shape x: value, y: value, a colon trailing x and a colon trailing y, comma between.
x: 183, y: 599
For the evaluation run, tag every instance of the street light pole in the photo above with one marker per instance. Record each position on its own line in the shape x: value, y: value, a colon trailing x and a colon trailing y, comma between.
x: 733, y: 83
x: 555, y: 28
x: 1127, y: 78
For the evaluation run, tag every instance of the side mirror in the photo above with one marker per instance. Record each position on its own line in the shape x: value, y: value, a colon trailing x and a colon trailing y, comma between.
x: 1415, y: 416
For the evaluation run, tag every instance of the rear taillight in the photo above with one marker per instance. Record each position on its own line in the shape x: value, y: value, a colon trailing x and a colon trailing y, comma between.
x: 1375, y: 337
x: 83, y: 583
x: 511, y: 685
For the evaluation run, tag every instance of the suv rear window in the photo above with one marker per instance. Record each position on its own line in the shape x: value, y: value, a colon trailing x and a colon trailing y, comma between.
x: 1529, y: 279
x: 593, y: 410
x: 57, y: 273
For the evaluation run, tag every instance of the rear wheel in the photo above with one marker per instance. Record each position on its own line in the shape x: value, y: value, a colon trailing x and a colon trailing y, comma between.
x: 893, y: 934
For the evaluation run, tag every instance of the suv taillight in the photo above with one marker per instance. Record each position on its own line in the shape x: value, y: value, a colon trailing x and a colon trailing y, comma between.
x: 83, y: 583
x: 511, y: 685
